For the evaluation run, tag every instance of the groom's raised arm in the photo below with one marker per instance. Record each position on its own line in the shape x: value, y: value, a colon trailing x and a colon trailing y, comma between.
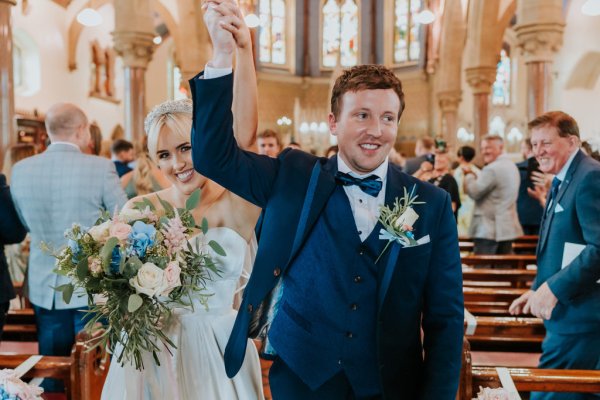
x: 215, y: 150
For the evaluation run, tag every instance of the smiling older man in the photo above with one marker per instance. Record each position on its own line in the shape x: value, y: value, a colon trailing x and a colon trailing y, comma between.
x: 566, y: 293
x: 495, y: 222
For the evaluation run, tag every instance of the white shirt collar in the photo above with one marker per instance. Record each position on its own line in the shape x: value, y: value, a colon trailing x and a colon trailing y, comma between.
x: 67, y: 143
x: 380, y: 172
x: 563, y: 172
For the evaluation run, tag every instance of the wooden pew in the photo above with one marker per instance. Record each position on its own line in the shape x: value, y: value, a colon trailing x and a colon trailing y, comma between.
x: 518, y: 247
x: 520, y: 239
x: 83, y: 372
x: 513, y: 334
x: 490, y: 301
x: 525, y: 379
x: 20, y: 326
x: 506, y: 260
x: 497, y: 278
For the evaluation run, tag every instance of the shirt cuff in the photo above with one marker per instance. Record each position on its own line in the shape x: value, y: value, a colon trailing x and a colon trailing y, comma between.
x: 213, y: 73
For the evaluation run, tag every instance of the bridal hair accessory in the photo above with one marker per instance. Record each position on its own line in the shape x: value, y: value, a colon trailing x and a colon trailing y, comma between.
x: 135, y: 267
x: 184, y: 106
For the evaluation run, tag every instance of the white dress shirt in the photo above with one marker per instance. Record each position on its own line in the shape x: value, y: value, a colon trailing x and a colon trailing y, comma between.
x: 365, y: 208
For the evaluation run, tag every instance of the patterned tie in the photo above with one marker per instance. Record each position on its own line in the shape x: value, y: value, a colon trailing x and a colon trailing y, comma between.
x: 371, y: 185
x: 553, y: 193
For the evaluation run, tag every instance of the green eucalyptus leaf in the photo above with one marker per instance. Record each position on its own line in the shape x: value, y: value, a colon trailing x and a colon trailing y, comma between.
x: 170, y: 211
x: 204, y: 225
x: 217, y: 248
x: 193, y: 201
x: 135, y: 301
x: 106, y: 252
x: 131, y: 267
x: 82, y: 269
x: 149, y: 204
x: 67, y: 291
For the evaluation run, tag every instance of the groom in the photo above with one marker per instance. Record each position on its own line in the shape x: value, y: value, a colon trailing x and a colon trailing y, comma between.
x: 348, y: 326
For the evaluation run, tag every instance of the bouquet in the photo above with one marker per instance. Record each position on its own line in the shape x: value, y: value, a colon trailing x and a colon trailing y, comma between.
x: 141, y: 265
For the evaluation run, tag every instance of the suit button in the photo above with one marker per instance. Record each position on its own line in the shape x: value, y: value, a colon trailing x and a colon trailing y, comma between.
x: 250, y: 308
x: 339, y: 362
x: 357, y: 279
x: 354, y: 307
x: 277, y: 271
x: 361, y: 250
x: 349, y: 335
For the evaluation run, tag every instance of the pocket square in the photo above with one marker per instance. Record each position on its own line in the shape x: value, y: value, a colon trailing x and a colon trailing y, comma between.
x: 424, y: 240
x: 558, y: 208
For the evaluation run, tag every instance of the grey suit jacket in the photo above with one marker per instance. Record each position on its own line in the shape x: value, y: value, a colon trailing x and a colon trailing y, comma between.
x: 573, y: 219
x: 495, y: 193
x: 51, y: 191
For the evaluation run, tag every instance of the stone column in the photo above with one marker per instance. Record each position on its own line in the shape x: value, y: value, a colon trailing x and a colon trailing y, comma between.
x: 449, y: 102
x: 133, y: 42
x: 7, y: 95
x: 481, y: 80
x: 539, y: 34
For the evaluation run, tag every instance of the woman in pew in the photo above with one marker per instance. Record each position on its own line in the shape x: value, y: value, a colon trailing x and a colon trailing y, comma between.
x: 11, y: 231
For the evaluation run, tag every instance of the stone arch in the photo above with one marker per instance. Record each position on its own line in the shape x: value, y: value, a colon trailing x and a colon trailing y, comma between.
x: 585, y: 73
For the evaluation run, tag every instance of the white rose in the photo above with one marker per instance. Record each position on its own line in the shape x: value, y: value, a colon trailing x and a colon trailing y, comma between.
x: 100, y: 233
x: 172, y: 278
x: 130, y: 214
x: 150, y: 280
x: 408, y: 217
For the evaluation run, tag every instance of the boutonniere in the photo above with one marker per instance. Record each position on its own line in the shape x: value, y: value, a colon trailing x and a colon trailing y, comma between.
x: 398, y: 222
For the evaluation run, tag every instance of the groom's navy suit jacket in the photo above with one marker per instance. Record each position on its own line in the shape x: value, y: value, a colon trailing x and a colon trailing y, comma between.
x: 418, y: 287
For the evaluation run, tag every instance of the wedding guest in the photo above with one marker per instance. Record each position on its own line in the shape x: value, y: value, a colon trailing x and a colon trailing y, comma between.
x: 194, y: 368
x: 95, y: 144
x: 268, y: 143
x: 424, y: 151
x: 17, y: 254
x: 465, y: 156
x: 123, y: 155
x: 340, y: 329
x: 75, y: 187
x: 442, y: 178
x: 529, y: 209
x: 565, y: 292
x: 294, y: 145
x: 146, y: 177
x: 495, y: 224
x: 11, y: 231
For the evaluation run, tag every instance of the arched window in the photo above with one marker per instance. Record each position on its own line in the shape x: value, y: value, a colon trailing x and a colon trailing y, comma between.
x: 17, y: 66
x: 27, y: 71
x: 501, y: 88
x: 272, y: 48
x: 497, y: 126
x: 340, y: 33
x: 407, y: 37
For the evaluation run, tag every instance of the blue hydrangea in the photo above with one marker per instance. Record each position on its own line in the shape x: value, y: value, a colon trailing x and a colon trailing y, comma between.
x: 141, y: 237
x: 115, y: 260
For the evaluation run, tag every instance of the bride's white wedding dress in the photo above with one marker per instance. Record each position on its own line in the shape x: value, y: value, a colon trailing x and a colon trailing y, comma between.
x: 196, y: 370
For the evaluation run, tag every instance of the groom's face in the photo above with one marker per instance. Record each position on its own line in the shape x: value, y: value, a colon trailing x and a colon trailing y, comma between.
x: 366, y: 127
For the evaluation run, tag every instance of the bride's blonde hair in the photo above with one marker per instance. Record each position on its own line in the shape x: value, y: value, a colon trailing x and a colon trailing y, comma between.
x: 176, y: 115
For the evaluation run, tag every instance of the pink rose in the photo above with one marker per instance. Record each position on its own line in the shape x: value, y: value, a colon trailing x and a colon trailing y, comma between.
x: 120, y: 230
x: 95, y: 265
x: 172, y: 277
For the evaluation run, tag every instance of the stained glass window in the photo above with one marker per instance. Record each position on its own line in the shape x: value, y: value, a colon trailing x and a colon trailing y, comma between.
x: 271, y: 37
x: 340, y: 33
x: 407, y: 37
x: 501, y: 88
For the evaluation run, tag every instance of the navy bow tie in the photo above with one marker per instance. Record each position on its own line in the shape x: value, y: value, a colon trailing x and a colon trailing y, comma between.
x: 371, y: 185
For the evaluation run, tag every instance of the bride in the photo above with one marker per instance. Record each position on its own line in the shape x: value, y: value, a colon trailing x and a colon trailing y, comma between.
x: 195, y: 369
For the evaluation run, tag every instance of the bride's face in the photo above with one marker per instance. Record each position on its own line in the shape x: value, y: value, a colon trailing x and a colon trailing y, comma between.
x: 174, y: 158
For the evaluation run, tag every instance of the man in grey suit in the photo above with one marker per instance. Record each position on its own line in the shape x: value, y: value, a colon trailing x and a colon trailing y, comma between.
x: 495, y: 222
x: 51, y: 191
x: 566, y: 290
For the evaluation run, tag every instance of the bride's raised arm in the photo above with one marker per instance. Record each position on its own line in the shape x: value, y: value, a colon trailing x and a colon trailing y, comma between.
x: 227, y: 30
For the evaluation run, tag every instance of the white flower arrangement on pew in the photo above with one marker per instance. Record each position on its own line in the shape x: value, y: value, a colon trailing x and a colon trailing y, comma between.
x: 13, y: 388
x: 493, y: 394
x: 141, y: 265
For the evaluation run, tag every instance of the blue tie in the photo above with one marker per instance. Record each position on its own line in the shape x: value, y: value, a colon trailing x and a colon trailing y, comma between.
x: 553, y: 193
x: 371, y: 185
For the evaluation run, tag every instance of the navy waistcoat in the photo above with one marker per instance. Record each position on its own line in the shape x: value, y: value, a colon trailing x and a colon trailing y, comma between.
x: 318, y: 339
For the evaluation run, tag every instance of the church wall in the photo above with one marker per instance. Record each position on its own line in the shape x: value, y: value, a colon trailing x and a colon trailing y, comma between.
x: 57, y: 82
x: 580, y: 37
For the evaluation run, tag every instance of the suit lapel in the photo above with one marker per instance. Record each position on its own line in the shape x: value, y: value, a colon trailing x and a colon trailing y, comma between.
x: 395, y: 185
x: 321, y: 185
x: 549, y: 215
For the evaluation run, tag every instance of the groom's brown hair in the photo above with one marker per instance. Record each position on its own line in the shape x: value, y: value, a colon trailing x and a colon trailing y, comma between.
x: 365, y: 77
